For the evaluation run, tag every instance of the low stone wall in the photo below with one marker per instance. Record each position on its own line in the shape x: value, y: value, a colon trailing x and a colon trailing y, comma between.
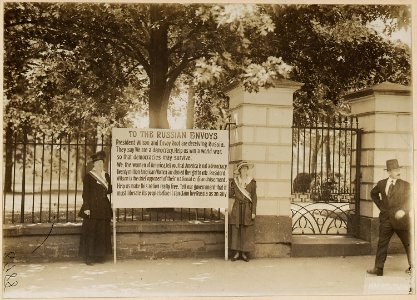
x: 161, y: 240
x: 156, y: 240
x: 144, y: 240
x: 31, y: 243
x: 60, y: 242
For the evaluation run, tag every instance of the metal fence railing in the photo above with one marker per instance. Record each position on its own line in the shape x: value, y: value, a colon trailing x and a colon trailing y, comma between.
x: 323, y: 161
x: 325, y: 175
x: 43, y: 181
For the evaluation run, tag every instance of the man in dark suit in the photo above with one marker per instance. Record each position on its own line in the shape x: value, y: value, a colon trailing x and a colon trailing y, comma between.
x: 393, y: 198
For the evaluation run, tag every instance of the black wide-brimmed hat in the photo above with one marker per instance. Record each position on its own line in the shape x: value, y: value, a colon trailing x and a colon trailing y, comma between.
x: 100, y: 155
x: 392, y: 164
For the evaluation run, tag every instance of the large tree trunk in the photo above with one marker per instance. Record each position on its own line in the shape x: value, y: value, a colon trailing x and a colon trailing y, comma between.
x: 9, y: 159
x: 158, y: 106
x: 160, y: 90
x: 190, y: 109
x: 158, y: 57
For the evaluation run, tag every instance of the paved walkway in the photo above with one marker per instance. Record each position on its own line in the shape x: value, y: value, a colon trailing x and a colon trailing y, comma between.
x: 210, y: 277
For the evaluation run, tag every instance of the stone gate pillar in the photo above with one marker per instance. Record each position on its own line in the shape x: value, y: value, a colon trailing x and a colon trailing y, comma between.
x: 384, y: 113
x: 262, y: 135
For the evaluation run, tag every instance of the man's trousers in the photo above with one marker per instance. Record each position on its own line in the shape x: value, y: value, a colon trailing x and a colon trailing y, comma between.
x: 386, y: 231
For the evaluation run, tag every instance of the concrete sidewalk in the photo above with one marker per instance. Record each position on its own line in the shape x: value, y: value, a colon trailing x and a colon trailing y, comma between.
x: 210, y: 277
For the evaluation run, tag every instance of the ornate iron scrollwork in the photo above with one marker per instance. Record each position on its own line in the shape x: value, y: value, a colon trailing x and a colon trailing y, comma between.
x: 321, y: 218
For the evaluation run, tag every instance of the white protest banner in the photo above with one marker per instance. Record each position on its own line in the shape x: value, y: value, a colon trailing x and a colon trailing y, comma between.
x: 169, y: 168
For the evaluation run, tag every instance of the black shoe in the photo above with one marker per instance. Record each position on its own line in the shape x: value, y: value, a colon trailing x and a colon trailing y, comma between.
x: 408, y: 270
x: 245, y: 258
x: 375, y: 271
x: 88, y: 261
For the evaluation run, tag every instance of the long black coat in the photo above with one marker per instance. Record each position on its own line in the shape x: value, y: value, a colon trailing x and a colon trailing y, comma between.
x: 95, y: 198
x: 95, y: 238
x: 399, y: 200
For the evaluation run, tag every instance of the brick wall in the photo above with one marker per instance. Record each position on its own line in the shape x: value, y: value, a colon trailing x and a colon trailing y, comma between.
x: 38, y: 243
x: 134, y: 240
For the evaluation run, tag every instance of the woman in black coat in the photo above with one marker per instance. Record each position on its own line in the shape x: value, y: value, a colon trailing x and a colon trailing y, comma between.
x: 96, y: 212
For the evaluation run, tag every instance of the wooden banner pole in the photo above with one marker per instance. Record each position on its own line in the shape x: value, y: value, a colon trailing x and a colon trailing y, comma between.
x: 226, y: 234
x: 114, y: 236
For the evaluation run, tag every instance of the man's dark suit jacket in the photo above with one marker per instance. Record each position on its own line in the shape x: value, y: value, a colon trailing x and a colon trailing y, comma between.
x: 399, y: 200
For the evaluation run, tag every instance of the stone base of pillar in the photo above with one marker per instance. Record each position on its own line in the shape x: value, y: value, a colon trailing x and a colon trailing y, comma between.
x: 368, y: 230
x: 273, y: 236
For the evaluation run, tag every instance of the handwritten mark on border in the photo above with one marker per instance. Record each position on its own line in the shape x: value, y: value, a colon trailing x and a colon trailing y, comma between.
x: 9, y: 257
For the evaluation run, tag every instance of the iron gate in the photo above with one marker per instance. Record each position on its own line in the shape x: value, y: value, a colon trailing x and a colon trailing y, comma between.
x: 325, y: 175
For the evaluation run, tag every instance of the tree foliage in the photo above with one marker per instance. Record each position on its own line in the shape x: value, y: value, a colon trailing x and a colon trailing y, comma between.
x: 53, y: 82
x: 333, y: 50
x: 68, y: 64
